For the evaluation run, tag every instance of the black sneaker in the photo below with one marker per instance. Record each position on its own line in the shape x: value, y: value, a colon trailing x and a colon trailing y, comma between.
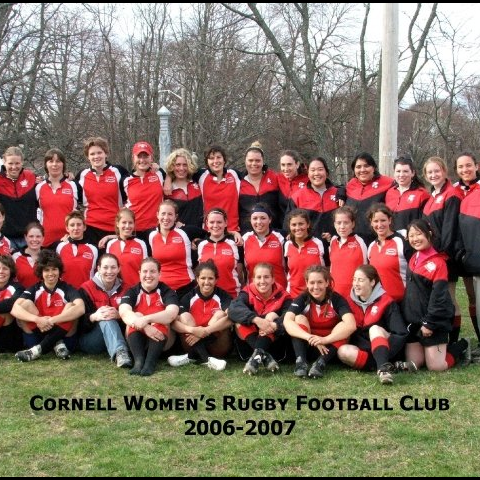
x: 301, y: 368
x: 385, y: 374
x: 408, y: 367
x: 269, y: 362
x: 61, y: 351
x: 317, y: 370
x: 254, y: 362
x: 26, y: 355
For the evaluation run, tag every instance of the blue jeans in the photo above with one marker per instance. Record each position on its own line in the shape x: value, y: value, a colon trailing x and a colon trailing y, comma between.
x: 105, y: 336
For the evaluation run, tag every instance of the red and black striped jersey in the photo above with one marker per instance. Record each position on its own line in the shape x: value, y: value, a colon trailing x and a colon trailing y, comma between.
x: 51, y: 302
x: 102, y: 195
x: 203, y: 308
x: 390, y: 260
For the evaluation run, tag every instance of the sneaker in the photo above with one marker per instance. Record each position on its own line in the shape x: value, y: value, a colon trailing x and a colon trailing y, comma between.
x: 216, y: 364
x: 466, y: 356
x: 476, y: 352
x: 123, y: 359
x: 317, y: 370
x: 27, y: 355
x: 385, y: 374
x: 61, y: 351
x: 269, y: 362
x: 253, y: 363
x: 301, y: 368
x: 179, y: 360
x: 408, y: 367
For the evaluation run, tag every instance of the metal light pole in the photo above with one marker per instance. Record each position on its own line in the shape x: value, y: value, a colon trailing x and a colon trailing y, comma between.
x: 164, y: 140
x: 389, y: 94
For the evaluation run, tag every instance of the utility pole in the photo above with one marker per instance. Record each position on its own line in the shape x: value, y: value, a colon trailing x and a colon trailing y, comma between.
x: 389, y: 93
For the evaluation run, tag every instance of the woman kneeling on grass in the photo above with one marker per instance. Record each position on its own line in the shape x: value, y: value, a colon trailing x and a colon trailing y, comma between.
x: 319, y: 322
x: 148, y: 309
x: 381, y: 331
x: 48, y: 311
x: 258, y: 313
x: 427, y: 306
x: 203, y: 322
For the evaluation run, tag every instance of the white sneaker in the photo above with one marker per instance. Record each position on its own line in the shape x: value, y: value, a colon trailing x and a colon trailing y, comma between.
x: 179, y: 360
x: 216, y: 363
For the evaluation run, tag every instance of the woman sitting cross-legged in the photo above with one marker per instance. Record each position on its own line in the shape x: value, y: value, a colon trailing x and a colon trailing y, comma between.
x: 258, y: 316
x: 48, y: 311
x: 148, y: 309
x: 203, y: 323
x: 99, y: 329
x: 381, y: 332
x: 319, y: 322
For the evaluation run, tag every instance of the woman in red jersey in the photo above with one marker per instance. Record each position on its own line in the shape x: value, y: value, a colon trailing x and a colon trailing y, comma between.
x: 148, y: 309
x: 203, y: 324
x: 144, y: 189
x: 319, y: 199
x: 17, y: 195
x: 347, y: 250
x: 263, y: 244
x: 129, y: 249
x: 258, y: 316
x: 259, y: 184
x: 292, y: 177
x: 27, y: 257
x: 319, y: 322
x: 466, y: 166
x: 390, y: 252
x: 366, y: 188
x: 221, y: 248
x: 57, y: 196
x: 102, y: 190
x: 48, y: 311
x: 171, y: 246
x: 442, y: 212
x: 180, y: 167
x: 407, y: 196
x: 381, y: 331
x: 301, y: 251
x: 220, y: 186
x: 427, y: 306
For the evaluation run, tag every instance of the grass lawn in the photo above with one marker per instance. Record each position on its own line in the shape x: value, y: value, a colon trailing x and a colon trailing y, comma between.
x: 338, y: 442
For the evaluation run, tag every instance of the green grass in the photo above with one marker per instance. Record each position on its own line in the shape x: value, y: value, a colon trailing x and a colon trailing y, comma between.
x: 153, y: 443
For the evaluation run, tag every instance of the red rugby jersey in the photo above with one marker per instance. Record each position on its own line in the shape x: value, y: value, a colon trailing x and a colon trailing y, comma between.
x: 175, y: 257
x: 79, y: 261
x: 345, y: 258
x: 270, y: 250
x: 226, y: 257
x: 298, y: 259
x: 130, y: 254
x: 51, y: 302
x: 54, y: 206
x: 102, y: 196
x: 144, y: 195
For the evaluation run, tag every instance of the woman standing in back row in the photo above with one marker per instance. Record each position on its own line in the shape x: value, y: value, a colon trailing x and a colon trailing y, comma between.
x: 103, y: 193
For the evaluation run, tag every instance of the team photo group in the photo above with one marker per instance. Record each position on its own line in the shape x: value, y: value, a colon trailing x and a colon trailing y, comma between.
x: 199, y: 262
